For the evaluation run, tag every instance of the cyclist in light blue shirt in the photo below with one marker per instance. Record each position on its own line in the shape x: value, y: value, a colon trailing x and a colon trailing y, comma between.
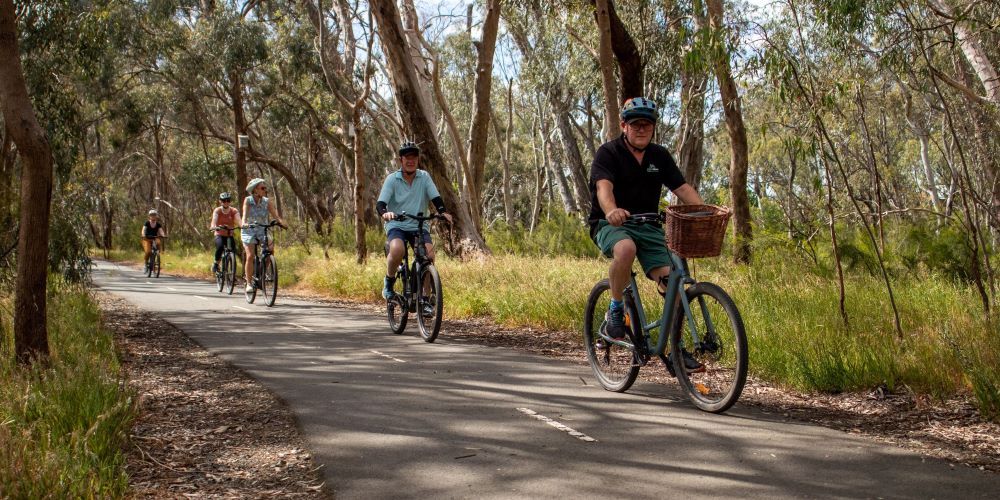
x: 409, y: 190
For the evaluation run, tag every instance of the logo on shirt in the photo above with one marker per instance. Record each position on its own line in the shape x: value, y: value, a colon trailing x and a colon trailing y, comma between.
x: 652, y: 168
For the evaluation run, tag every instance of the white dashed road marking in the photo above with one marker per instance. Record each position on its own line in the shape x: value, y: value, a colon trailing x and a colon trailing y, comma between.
x: 306, y: 328
x: 242, y: 308
x: 199, y: 297
x: 171, y: 288
x: 577, y: 434
x: 387, y: 356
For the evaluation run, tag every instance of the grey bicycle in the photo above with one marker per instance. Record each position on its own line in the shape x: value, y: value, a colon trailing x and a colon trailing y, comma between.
x: 700, y: 320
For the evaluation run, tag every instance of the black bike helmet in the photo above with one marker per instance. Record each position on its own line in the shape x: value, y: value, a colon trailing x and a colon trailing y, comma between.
x: 408, y: 147
x: 225, y: 197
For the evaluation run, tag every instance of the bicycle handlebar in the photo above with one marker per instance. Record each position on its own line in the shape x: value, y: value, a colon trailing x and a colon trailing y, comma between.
x: 647, y: 218
x: 254, y: 224
x: 402, y: 216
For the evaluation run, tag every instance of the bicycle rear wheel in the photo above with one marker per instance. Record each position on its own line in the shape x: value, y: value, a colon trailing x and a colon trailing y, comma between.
x: 156, y: 264
x: 716, y: 337
x: 613, y: 365
x: 229, y: 272
x: 429, y: 303
x: 269, y: 280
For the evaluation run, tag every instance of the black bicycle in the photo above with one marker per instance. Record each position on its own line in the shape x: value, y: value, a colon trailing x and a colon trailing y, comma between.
x: 225, y: 275
x: 153, y: 262
x: 265, y: 268
x: 421, y: 286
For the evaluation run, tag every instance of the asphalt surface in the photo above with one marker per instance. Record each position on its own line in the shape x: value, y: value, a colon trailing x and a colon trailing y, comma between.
x: 391, y: 416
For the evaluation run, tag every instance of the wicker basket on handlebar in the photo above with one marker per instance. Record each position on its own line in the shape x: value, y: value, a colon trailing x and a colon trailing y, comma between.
x: 694, y: 231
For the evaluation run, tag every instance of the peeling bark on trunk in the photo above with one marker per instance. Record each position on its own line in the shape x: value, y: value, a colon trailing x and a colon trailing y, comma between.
x: 30, y: 327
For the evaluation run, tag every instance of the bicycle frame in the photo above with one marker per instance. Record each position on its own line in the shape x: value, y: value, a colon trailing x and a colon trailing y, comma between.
x: 676, y: 280
x: 411, y: 272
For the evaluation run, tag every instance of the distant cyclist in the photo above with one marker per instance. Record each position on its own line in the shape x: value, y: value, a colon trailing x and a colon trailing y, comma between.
x: 224, y: 215
x: 626, y: 177
x: 409, y: 190
x: 152, y: 229
x: 257, y: 209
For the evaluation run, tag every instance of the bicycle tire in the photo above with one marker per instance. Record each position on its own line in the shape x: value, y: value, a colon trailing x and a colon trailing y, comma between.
x: 722, y: 349
x: 156, y: 264
x: 220, y: 274
x: 269, y: 280
x: 229, y: 270
x: 430, y: 324
x: 613, y: 365
x: 397, y: 314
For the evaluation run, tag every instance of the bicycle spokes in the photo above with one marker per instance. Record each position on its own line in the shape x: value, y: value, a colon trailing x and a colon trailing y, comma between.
x: 714, y: 336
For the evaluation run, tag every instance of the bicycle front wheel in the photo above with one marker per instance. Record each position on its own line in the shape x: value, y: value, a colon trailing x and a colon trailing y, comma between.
x: 397, y: 314
x: 229, y: 272
x: 429, y: 303
x: 156, y: 264
x: 613, y: 365
x: 269, y: 280
x: 715, y: 336
x: 220, y: 274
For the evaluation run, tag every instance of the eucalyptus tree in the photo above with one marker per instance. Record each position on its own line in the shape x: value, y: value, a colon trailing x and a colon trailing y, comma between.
x: 30, y: 327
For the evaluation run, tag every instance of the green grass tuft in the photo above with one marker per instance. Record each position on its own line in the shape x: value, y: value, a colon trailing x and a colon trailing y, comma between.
x: 63, y: 428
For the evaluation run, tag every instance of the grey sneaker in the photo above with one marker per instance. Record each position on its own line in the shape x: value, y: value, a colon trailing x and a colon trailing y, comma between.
x: 614, y: 324
x: 427, y: 310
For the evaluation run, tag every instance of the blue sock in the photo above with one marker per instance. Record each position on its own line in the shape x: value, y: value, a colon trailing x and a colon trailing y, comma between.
x: 616, y: 305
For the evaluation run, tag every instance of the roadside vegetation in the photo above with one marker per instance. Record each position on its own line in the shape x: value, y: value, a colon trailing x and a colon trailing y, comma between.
x: 789, y: 299
x: 64, y: 424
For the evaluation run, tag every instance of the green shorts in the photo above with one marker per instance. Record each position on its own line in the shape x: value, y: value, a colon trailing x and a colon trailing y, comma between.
x: 650, y: 247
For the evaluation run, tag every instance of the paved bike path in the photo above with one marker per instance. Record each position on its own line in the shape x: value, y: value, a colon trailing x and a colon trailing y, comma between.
x: 393, y: 416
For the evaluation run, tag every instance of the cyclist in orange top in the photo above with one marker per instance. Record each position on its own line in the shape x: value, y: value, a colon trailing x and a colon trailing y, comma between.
x: 228, y: 216
x: 152, y: 229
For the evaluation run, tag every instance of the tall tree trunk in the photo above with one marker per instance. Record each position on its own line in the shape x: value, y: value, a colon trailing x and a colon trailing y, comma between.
x: 612, y: 124
x: 578, y: 177
x: 7, y: 157
x: 691, y: 137
x: 415, y: 116
x: 503, y: 141
x: 479, y: 130
x: 630, y: 65
x: 31, y: 338
x: 239, y: 128
x: 360, y: 207
x: 737, y: 136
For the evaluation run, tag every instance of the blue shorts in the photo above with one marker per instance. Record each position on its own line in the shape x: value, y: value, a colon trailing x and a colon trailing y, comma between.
x: 406, y: 235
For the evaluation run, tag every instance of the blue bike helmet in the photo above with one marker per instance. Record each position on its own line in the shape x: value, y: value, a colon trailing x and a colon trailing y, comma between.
x: 639, y: 108
x: 408, y: 147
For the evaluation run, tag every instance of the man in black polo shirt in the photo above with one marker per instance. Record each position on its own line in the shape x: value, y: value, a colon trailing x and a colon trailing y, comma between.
x: 627, y: 177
